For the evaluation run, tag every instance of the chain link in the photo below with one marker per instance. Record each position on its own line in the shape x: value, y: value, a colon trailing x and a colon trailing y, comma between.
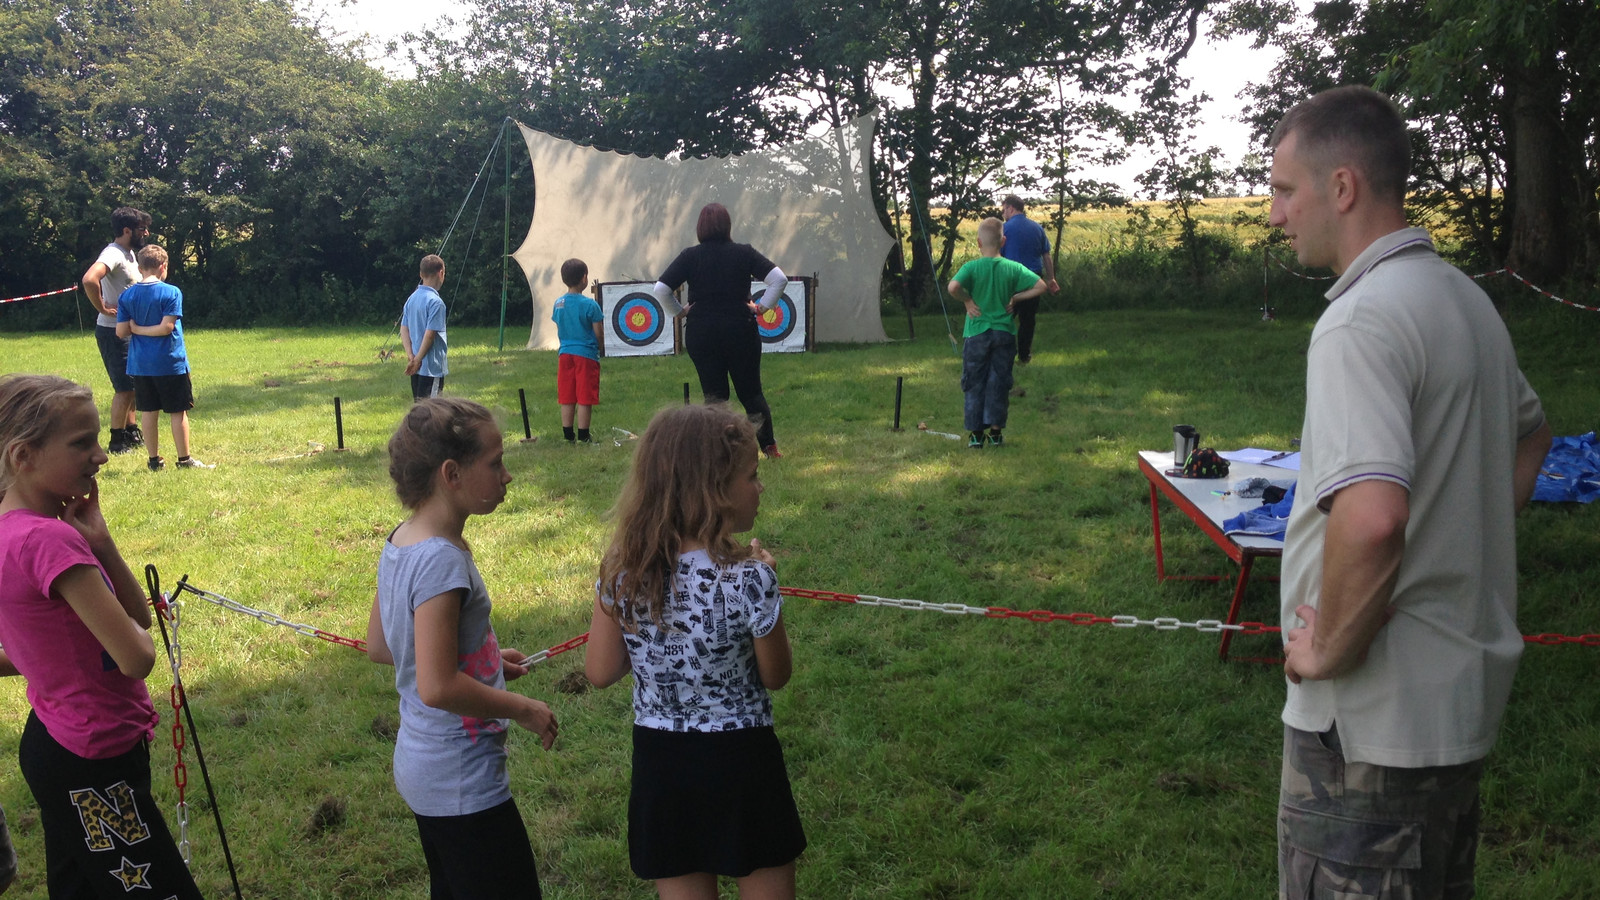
x: 272, y: 618
x: 172, y: 611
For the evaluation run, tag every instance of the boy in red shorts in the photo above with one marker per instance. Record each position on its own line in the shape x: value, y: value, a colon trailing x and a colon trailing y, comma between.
x: 577, y: 321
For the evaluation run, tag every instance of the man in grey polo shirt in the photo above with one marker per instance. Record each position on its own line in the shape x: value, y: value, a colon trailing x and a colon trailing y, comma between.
x: 1421, y: 442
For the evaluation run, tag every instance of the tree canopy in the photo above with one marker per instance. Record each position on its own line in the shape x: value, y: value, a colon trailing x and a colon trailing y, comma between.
x: 289, y: 178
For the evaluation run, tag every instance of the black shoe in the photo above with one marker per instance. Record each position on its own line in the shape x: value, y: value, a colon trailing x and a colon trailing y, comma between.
x: 119, y: 443
x: 975, y: 441
x: 135, y: 436
x: 996, y: 437
x: 156, y: 464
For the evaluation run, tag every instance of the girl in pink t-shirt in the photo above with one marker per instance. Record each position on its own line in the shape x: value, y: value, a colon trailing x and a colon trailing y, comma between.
x: 75, y: 623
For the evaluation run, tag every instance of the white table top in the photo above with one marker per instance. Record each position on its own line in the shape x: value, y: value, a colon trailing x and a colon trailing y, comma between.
x: 1217, y: 509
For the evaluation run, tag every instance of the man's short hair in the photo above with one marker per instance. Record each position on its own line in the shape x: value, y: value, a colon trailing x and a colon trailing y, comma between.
x: 432, y: 264
x: 1012, y: 201
x: 124, y: 217
x: 151, y: 258
x: 989, y: 232
x: 1352, y: 126
x: 574, y: 271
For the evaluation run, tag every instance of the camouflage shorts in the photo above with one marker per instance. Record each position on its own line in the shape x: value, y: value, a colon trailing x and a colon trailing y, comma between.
x: 1357, y: 831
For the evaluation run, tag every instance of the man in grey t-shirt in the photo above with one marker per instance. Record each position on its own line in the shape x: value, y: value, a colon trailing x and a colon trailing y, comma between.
x: 1421, y: 441
x: 104, y: 282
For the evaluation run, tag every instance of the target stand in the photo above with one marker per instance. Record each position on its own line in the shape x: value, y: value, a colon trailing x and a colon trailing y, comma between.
x: 788, y: 326
x: 635, y: 324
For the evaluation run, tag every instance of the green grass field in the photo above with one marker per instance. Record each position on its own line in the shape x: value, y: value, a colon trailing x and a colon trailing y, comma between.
x: 932, y: 756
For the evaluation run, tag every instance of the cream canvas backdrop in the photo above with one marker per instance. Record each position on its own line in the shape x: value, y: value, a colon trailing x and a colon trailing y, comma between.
x: 805, y: 206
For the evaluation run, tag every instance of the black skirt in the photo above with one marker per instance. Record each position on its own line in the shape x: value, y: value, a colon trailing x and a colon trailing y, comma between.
x: 714, y: 802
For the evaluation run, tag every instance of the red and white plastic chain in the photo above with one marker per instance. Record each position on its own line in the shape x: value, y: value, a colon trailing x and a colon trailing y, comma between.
x: 271, y: 618
x: 1035, y: 615
x: 1160, y: 623
x: 169, y: 608
x: 37, y: 296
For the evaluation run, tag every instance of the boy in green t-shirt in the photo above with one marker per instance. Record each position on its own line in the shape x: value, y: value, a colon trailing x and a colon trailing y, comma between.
x: 990, y: 287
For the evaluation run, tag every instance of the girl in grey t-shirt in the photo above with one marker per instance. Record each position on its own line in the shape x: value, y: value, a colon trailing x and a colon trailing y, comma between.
x: 431, y: 622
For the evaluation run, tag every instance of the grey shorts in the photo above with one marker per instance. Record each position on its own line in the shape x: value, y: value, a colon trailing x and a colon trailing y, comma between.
x: 114, y: 353
x: 1357, y: 831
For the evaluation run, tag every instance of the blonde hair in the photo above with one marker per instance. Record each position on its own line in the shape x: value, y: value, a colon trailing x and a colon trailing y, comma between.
x: 678, y: 491
x: 434, y: 429
x: 151, y: 258
x: 989, y: 231
x: 29, y: 408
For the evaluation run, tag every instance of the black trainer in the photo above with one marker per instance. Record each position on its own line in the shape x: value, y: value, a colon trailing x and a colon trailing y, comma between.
x: 156, y: 464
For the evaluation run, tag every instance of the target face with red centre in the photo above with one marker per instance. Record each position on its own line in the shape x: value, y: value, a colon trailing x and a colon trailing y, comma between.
x: 638, y: 319
x: 776, y: 323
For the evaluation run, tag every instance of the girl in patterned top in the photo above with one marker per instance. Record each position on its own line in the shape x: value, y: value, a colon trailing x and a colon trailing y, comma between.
x: 696, y: 617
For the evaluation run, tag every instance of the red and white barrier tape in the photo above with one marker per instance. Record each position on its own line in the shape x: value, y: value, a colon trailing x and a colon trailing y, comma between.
x: 37, y: 296
x: 1507, y: 270
x: 1541, y: 291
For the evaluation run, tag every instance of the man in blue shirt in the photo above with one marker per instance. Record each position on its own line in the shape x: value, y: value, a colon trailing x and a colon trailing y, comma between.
x: 1026, y: 243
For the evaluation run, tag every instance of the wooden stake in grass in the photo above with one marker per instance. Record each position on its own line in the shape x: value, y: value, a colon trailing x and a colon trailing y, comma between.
x: 899, y: 386
x: 527, y: 433
x: 338, y: 424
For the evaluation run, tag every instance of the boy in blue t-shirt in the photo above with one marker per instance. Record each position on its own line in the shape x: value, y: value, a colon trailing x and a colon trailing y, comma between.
x: 577, y: 321
x: 991, y: 287
x: 422, y: 333
x: 149, y: 315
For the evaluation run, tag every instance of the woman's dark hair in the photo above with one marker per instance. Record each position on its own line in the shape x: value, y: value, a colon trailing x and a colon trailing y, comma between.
x: 434, y: 430
x: 715, y: 224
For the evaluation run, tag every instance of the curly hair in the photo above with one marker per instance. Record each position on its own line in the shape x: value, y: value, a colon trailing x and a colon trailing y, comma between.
x: 434, y: 429
x: 678, y: 491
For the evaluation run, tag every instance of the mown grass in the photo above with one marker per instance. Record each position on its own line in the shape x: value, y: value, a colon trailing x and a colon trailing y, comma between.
x: 932, y: 755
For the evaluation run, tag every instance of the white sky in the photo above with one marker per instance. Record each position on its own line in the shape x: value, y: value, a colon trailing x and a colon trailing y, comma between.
x: 1219, y: 69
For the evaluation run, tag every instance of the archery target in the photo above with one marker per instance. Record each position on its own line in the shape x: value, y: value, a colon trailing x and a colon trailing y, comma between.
x: 783, y: 327
x: 638, y: 319
x: 636, y: 325
x: 776, y: 323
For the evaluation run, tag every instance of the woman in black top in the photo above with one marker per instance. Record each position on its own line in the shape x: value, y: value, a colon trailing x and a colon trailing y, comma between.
x: 721, y: 332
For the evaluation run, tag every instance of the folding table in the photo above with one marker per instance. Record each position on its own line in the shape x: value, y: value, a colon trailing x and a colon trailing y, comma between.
x: 1194, y: 497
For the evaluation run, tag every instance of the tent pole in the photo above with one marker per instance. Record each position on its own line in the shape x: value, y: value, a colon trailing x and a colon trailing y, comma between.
x: 505, y: 237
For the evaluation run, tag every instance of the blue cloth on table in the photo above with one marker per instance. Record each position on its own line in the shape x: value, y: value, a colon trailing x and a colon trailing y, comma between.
x: 1571, y: 471
x: 1269, y: 520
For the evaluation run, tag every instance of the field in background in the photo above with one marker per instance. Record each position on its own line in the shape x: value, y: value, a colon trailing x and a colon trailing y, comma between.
x: 933, y: 756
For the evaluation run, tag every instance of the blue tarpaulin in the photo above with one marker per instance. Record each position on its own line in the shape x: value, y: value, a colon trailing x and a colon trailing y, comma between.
x: 1571, y: 472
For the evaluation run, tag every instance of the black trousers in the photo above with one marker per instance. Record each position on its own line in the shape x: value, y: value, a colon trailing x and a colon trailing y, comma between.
x: 103, y: 833
x: 1026, y: 311
x: 730, y: 347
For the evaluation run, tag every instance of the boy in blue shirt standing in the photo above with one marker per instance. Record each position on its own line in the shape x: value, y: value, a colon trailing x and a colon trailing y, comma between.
x: 990, y: 286
x: 577, y: 321
x: 422, y: 331
x: 149, y: 318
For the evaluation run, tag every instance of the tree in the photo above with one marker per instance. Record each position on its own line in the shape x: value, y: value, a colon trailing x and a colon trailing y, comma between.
x: 241, y: 129
x: 1504, y: 106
